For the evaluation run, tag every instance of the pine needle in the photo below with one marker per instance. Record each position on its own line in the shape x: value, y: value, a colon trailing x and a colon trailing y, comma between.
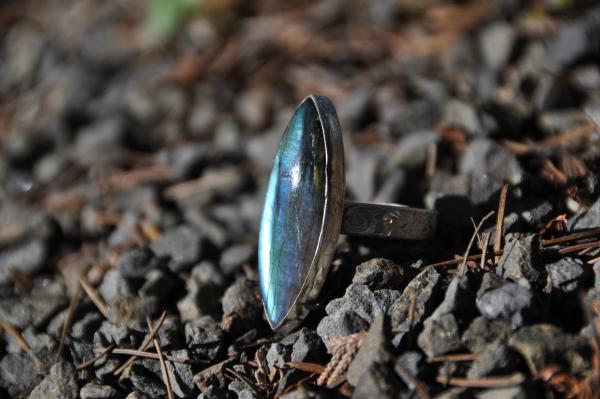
x: 163, y: 365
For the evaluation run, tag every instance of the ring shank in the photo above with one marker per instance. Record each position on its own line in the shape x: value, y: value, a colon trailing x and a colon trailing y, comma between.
x: 387, y: 220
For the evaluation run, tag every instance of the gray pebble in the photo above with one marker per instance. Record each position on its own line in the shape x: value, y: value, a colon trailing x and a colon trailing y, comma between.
x: 374, y: 349
x: 378, y: 381
x: 440, y: 335
x: 234, y: 257
x: 520, y: 258
x: 545, y: 344
x: 340, y: 324
x: 204, y: 338
x: 137, y: 263
x: 182, y: 245
x: 379, y: 273
x: 495, y: 359
x: 214, y: 392
x: 278, y: 355
x: 92, y: 390
x: 482, y: 331
x: 308, y: 347
x: 242, y: 390
x: 19, y: 373
x: 60, y: 383
x: 568, y: 274
x: 29, y: 258
x: 512, y: 302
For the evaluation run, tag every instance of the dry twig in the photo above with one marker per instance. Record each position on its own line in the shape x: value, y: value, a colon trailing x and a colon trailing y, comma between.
x: 144, y: 344
x: 93, y: 360
x: 500, y: 222
x: 484, y: 382
x: 343, y: 350
x: 163, y: 365
x: 95, y: 297
x: 13, y: 332
x: 68, y: 319
x: 463, y: 266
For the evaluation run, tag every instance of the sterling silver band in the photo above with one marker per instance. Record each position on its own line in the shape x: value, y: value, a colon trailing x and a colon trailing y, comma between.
x: 387, y: 220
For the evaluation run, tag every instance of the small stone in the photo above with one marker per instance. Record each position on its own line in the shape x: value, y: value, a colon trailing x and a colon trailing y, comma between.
x: 489, y: 165
x: 32, y: 310
x: 242, y: 390
x: 362, y: 168
x: 392, y: 187
x: 159, y: 285
x: 100, y: 142
x: 234, y: 257
x: 482, y: 331
x: 213, y: 376
x: 489, y: 282
x: 308, y: 347
x: 576, y: 39
x: 340, y: 324
x: 440, y: 335
x: 495, y: 359
x: 204, y: 289
x: 116, y: 334
x: 374, y: 349
x: 60, y: 383
x: 23, y: 49
x: 362, y: 300
x: 214, y: 392
x: 496, y: 43
x: 544, y: 344
x: 408, y: 366
x: 91, y: 390
x: 137, y: 263
x: 556, y: 122
x: 378, y: 381
x: 458, y: 299
x: 253, y: 106
x: 181, y: 374
x: 412, y: 149
x: 568, y: 274
x: 146, y: 382
x: 86, y: 327
x: 137, y: 395
x: 226, y: 138
x: 183, y: 246
x: 358, y: 305
x: 29, y: 258
x: 379, y: 273
x: 517, y: 392
x: 114, y: 287
x: 278, y: 355
x: 305, y: 391
x: 19, y: 374
x: 50, y: 166
x: 511, y: 302
x: 417, y: 300
x: 520, y: 258
x: 241, y: 303
x: 585, y: 219
x: 462, y: 115
x: 204, y: 338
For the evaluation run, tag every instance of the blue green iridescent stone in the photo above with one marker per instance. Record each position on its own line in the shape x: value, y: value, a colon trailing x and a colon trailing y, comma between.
x: 293, y: 210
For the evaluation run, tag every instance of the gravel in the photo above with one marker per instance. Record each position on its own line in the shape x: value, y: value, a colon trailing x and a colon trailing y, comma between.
x: 135, y: 150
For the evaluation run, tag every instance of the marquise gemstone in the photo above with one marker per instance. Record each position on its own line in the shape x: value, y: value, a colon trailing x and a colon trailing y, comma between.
x: 293, y: 213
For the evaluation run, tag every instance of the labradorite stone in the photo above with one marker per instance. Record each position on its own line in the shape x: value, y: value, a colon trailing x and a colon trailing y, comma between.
x: 293, y: 212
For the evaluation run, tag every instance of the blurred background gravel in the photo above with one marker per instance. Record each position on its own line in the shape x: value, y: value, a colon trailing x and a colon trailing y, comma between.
x: 135, y: 142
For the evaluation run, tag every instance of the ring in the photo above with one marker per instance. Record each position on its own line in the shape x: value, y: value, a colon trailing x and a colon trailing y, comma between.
x: 304, y: 213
